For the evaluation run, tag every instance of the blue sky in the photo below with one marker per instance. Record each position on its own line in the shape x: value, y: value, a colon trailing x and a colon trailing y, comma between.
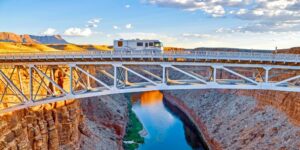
x: 184, y: 23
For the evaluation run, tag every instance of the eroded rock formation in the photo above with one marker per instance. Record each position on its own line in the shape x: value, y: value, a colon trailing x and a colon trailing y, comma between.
x: 96, y: 123
x: 106, y: 117
x: 51, y: 126
x: 232, y: 119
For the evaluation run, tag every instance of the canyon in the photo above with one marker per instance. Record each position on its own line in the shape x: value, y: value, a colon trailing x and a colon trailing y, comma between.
x: 96, y: 123
x: 238, y: 119
x: 227, y: 119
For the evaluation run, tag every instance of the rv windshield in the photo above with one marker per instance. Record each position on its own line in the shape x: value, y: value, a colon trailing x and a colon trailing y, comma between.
x: 157, y: 44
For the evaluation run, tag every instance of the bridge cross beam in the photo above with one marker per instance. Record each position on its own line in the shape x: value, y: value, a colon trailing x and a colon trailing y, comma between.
x: 214, y: 74
x: 115, y: 67
x: 267, y: 71
x: 71, y: 92
x: 165, y: 74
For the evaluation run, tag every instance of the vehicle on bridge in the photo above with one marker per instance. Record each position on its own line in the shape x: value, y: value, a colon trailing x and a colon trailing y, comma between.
x: 152, y: 46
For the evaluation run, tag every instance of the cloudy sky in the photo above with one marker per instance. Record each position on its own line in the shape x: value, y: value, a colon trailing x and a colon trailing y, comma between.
x: 261, y: 24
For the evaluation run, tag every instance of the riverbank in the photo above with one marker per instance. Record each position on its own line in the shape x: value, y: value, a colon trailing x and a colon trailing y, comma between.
x: 173, y: 102
x: 230, y: 121
x: 133, y: 138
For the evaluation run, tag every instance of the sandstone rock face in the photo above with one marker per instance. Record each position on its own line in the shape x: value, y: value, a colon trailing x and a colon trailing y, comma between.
x: 286, y: 102
x: 106, y: 118
x: 52, y: 126
x: 12, y: 37
x: 30, y: 39
x: 232, y: 120
x: 63, y: 125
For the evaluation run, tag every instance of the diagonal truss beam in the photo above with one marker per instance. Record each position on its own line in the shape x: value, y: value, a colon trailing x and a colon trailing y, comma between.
x: 80, y: 80
x: 188, y: 74
x: 7, y: 85
x: 91, y: 76
x: 11, y: 88
x: 67, y: 74
x: 141, y: 76
x: 44, y: 85
x: 200, y: 76
x: 287, y: 80
x: 237, y: 74
x: 152, y: 74
x: 13, y: 85
x: 109, y: 75
x: 49, y: 79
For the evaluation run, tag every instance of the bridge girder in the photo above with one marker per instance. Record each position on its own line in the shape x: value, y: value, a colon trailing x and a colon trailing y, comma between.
x: 34, y: 84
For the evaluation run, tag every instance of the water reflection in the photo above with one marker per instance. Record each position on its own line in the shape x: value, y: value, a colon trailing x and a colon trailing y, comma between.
x: 151, y: 98
x: 165, y: 130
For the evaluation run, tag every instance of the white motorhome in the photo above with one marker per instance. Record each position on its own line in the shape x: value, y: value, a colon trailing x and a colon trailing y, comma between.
x: 138, y: 45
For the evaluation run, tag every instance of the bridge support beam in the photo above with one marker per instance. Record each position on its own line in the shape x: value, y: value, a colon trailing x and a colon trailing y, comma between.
x: 30, y: 82
x: 163, y: 76
x: 71, y: 79
x: 267, y: 71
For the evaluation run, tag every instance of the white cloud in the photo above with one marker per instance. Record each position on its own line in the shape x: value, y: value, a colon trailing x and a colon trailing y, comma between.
x: 127, y: 6
x: 247, y: 40
x: 116, y: 27
x: 128, y: 26
x: 264, y: 15
x: 49, y: 31
x: 93, y: 23
x: 213, y: 7
x: 108, y: 35
x: 78, y: 32
x: 195, y: 35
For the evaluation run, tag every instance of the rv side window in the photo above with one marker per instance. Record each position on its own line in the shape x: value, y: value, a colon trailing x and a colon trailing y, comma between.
x: 151, y: 44
x: 120, y: 44
x: 140, y: 44
x: 146, y: 44
x: 157, y: 44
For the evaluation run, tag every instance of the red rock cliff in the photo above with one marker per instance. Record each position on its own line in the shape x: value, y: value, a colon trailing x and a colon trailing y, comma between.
x: 51, y: 126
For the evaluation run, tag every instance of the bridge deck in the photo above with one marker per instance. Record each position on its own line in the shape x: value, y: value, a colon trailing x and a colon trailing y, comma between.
x: 197, y: 56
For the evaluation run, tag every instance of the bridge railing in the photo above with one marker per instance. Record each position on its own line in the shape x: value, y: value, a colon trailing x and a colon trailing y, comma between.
x: 151, y: 54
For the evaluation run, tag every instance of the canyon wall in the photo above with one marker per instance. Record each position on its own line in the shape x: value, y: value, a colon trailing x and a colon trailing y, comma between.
x: 106, y: 118
x: 286, y: 102
x: 89, y: 124
x: 237, y: 119
x: 51, y: 126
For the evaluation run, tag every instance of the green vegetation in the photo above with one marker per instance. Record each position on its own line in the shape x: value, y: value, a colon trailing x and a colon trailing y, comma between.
x: 132, y: 131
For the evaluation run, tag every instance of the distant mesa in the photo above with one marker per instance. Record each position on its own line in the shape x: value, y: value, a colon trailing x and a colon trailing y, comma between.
x: 54, y: 39
x: 14, y: 43
x: 31, y: 39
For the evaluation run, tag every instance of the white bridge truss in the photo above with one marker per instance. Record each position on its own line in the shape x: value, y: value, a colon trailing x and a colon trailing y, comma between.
x: 32, y: 84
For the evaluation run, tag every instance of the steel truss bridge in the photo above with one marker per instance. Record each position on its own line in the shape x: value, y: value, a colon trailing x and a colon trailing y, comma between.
x: 34, y: 79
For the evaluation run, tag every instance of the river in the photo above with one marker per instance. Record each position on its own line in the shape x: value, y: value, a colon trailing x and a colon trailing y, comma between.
x: 165, y: 130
